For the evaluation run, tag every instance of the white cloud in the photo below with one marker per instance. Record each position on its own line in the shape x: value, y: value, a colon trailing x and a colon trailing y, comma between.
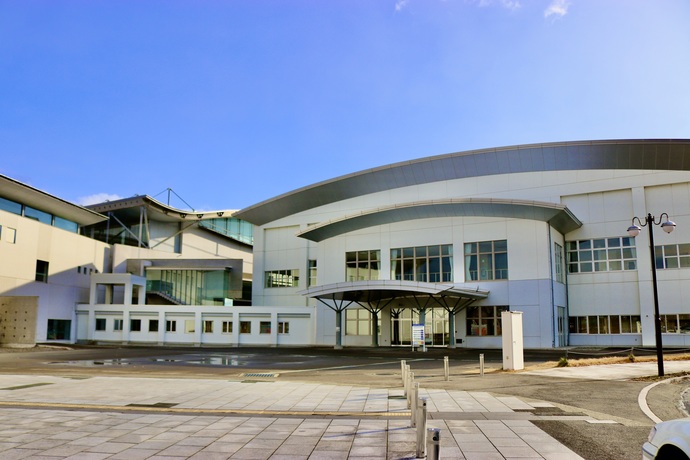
x: 511, y: 4
x: 97, y: 198
x: 400, y: 4
x: 508, y: 4
x: 558, y: 8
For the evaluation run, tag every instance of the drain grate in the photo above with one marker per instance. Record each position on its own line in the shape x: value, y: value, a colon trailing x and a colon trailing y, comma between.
x: 260, y: 374
x: 21, y: 387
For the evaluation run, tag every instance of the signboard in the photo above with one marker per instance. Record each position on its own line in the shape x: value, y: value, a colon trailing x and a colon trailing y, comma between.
x: 417, y: 335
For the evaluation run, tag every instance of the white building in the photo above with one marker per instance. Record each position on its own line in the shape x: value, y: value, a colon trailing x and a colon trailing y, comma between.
x: 451, y: 241
x: 446, y: 242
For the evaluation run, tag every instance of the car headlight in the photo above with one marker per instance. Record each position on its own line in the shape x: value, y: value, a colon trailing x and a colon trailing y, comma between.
x: 652, y: 433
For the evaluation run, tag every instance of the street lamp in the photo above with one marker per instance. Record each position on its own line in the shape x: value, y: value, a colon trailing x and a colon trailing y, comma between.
x: 634, y: 230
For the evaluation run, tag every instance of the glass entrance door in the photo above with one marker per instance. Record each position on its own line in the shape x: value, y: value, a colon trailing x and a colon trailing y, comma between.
x: 436, y: 332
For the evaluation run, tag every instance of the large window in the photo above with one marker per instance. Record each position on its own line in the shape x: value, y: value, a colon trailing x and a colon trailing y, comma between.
x: 605, y: 324
x: 672, y: 256
x: 600, y: 255
x: 484, y: 321
x: 362, y: 265
x: 428, y: 264
x: 59, y: 329
x: 282, y: 278
x: 486, y: 260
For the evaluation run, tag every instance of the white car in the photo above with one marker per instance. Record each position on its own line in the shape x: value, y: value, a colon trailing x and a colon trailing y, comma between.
x: 668, y: 441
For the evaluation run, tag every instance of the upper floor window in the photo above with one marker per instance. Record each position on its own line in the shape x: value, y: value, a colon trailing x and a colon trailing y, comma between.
x: 486, y: 260
x: 42, y: 271
x: 558, y: 262
x: 600, y: 255
x: 428, y: 264
x: 672, y: 256
x: 312, y: 272
x: 362, y: 265
x: 281, y: 278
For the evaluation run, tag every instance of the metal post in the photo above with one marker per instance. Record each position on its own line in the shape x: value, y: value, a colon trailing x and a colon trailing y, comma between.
x: 446, y: 369
x: 481, y: 364
x: 433, y: 443
x: 413, y: 412
x: 657, y: 316
x: 410, y: 385
x: 421, y: 428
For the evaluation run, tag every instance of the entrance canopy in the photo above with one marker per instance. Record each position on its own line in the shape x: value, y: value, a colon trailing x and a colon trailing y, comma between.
x: 384, y: 290
x: 376, y: 295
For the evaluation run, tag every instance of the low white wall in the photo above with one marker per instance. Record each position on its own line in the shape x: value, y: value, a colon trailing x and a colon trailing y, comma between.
x: 197, y: 325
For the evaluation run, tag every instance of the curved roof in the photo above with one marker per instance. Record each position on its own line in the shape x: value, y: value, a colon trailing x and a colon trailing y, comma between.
x: 156, y: 210
x: 558, y: 215
x: 659, y: 154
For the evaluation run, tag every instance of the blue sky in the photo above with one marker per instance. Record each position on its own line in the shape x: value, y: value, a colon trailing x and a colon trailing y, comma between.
x: 232, y: 102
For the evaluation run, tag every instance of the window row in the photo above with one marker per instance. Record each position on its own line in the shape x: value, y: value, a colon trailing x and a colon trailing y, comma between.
x: 675, y: 324
x: 486, y: 260
x: 208, y: 326
x: 600, y: 255
x: 605, y: 324
x: 41, y: 216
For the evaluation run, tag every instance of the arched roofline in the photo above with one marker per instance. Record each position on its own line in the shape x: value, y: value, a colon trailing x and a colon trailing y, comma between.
x: 557, y: 215
x: 653, y: 154
x: 377, y: 290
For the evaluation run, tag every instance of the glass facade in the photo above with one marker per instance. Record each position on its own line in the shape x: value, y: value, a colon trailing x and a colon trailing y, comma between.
x: 190, y: 287
x: 237, y: 229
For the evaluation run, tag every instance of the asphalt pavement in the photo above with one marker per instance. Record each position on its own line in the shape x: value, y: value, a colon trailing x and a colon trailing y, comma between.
x: 130, y: 402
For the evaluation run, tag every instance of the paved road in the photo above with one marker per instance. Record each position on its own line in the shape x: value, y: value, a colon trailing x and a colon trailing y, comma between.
x: 589, y: 413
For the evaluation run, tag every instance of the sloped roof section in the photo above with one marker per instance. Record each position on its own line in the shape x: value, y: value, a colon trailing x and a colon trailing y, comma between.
x: 25, y: 194
x: 654, y: 154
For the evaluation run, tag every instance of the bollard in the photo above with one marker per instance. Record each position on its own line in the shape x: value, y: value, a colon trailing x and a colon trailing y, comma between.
x: 415, y: 397
x: 446, y: 369
x: 481, y: 364
x: 421, y: 428
x: 402, y: 371
x: 433, y: 444
x: 410, y: 385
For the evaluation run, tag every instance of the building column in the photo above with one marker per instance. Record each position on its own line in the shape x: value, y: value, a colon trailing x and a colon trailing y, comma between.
x: 161, y: 327
x: 125, y: 325
x: 198, y: 328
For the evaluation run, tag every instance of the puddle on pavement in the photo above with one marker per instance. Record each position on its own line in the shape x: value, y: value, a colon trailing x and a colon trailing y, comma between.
x: 203, y: 360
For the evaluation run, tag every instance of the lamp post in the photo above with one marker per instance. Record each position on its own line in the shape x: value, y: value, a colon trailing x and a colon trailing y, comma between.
x: 667, y: 226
